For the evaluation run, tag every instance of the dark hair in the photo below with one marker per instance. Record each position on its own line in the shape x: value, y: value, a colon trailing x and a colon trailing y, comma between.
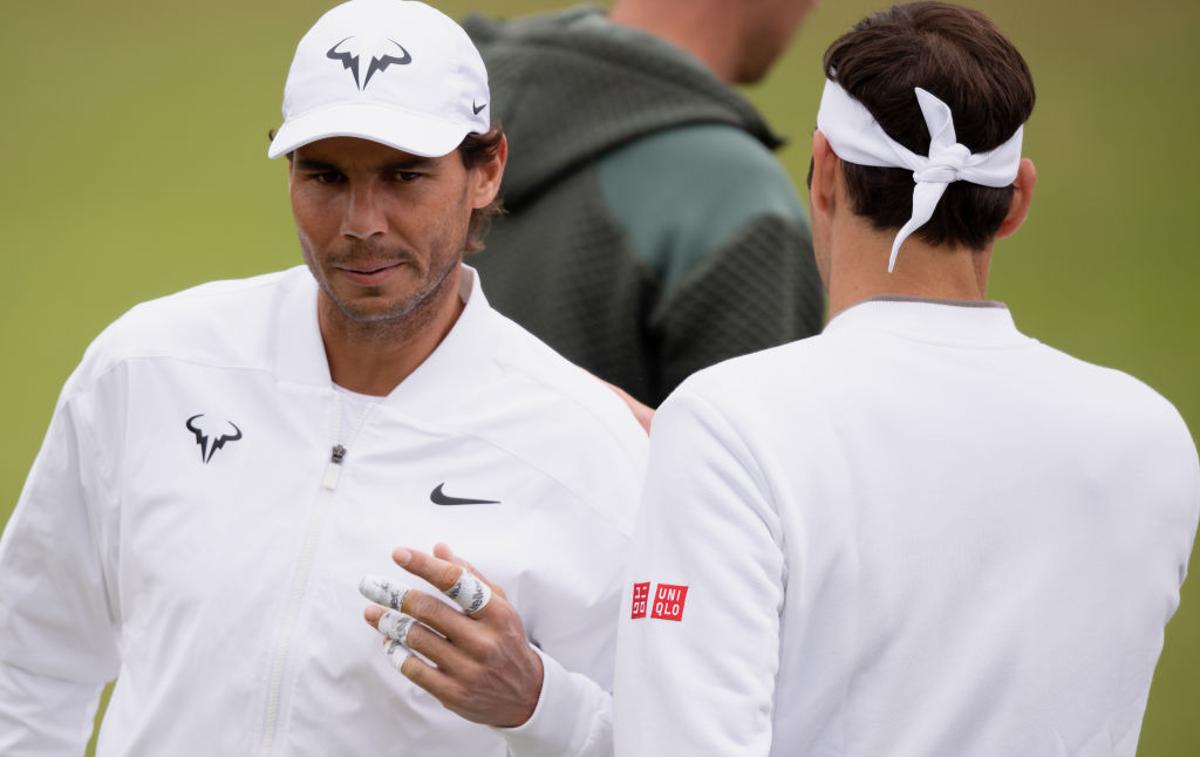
x: 475, y: 150
x: 958, y: 55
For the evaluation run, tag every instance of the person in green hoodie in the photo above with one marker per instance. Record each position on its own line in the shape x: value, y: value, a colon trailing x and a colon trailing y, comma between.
x: 650, y: 231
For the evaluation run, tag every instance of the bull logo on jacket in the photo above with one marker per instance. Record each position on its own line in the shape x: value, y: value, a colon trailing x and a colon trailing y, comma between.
x: 210, y: 435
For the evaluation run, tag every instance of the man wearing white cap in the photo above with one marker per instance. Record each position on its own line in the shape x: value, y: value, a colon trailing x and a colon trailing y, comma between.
x: 230, y: 465
x: 920, y: 533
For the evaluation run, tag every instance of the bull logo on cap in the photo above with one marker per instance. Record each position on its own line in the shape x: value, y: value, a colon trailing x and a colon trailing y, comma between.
x: 379, y: 61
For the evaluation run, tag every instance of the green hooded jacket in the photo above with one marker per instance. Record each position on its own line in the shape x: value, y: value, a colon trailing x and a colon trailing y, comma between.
x: 650, y: 231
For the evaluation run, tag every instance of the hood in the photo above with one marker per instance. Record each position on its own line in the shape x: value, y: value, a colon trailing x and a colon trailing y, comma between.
x: 570, y: 86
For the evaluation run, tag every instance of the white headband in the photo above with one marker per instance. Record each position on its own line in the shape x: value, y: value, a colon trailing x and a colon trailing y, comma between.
x: 856, y: 137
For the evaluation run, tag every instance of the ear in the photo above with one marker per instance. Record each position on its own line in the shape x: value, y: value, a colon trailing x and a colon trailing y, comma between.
x: 1022, y: 197
x: 823, y: 191
x: 485, y: 177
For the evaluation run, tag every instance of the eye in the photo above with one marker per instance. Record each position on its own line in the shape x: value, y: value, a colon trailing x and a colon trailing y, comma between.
x: 407, y: 176
x: 328, y: 177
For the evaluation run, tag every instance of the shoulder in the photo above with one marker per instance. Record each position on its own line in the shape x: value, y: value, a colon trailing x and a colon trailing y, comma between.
x: 222, y: 323
x: 759, y: 377
x: 684, y: 193
x: 1117, y: 399
x: 541, y: 376
x: 712, y: 163
x: 730, y: 416
x: 1124, y: 433
x: 565, y: 422
x: 742, y: 396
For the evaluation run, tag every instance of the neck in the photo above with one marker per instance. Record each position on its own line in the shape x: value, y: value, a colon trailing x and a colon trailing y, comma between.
x: 858, y: 269
x: 701, y: 27
x: 374, y: 357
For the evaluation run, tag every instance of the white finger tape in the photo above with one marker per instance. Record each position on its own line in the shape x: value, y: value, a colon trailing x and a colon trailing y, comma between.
x: 381, y: 591
x: 396, y: 625
x: 470, y: 593
x: 397, y: 653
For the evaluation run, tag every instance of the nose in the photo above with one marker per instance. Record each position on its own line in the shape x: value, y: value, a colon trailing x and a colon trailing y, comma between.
x: 365, y: 215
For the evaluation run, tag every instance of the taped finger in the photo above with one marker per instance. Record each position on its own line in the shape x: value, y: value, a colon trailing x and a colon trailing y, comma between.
x: 443, y: 552
x: 381, y: 591
x: 471, y: 593
x: 397, y: 653
x: 396, y: 625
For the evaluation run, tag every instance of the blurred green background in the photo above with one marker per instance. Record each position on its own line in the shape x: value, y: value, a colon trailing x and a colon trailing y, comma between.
x: 137, y: 135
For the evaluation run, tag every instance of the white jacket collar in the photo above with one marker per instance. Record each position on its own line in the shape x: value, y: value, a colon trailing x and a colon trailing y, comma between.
x: 458, y: 364
x: 959, y: 322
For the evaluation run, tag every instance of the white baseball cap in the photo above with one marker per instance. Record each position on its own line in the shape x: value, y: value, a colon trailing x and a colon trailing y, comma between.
x: 396, y: 72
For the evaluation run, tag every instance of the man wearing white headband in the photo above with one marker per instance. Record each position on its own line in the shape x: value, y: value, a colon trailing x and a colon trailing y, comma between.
x: 231, y: 465
x: 921, y: 533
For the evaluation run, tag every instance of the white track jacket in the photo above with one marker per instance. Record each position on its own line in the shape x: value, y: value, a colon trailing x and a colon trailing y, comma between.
x: 920, y: 534
x: 186, y: 530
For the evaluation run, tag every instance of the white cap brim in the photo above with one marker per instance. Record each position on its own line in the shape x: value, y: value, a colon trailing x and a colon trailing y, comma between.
x: 394, y: 127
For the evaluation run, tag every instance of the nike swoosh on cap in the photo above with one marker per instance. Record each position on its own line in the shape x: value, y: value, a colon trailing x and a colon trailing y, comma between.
x: 438, y: 498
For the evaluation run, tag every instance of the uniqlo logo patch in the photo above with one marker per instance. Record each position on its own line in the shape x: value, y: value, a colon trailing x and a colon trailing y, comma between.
x: 641, y: 596
x: 668, y: 602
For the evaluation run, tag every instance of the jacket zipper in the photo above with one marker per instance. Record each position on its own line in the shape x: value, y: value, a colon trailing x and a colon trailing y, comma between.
x: 300, y: 579
x: 333, y: 471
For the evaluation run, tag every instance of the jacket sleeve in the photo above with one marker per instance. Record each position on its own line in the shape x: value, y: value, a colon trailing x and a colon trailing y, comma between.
x: 573, y: 718
x: 698, y: 639
x: 57, y: 630
x: 573, y: 620
x: 574, y: 629
x: 759, y: 290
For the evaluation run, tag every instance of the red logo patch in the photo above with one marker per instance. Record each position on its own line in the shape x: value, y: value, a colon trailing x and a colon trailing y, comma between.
x: 668, y: 602
x: 641, y: 593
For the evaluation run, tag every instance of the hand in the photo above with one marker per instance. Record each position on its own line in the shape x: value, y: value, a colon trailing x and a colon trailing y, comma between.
x: 643, y: 413
x: 485, y: 670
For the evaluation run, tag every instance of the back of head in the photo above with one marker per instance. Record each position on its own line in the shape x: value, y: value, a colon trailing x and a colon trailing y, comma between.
x: 958, y: 55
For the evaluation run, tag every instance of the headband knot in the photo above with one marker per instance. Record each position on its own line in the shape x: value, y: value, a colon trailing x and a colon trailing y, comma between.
x: 945, y: 164
x: 856, y: 137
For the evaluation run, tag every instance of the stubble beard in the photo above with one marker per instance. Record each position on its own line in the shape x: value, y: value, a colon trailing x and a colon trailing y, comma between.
x: 398, y: 322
